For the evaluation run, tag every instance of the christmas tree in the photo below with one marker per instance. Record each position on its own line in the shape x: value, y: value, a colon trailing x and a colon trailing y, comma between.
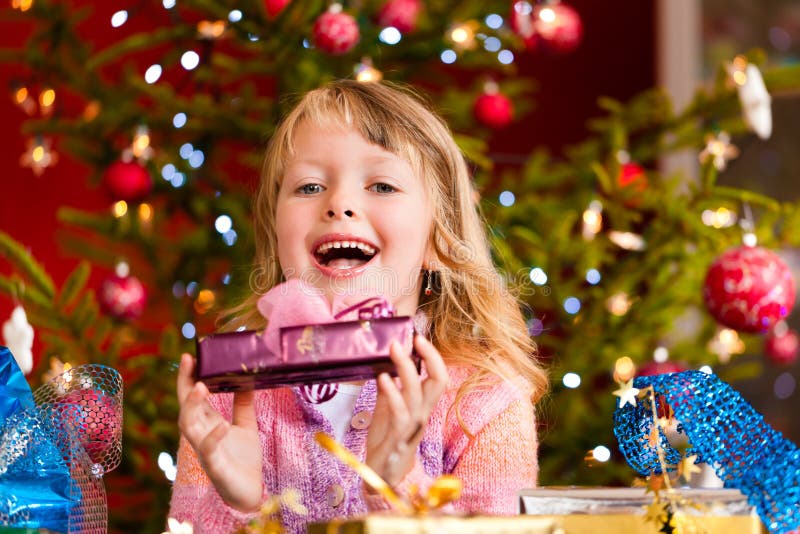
x: 171, y: 116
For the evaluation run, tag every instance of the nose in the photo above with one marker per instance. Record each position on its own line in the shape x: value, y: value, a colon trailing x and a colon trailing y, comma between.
x: 347, y: 213
x: 341, y: 203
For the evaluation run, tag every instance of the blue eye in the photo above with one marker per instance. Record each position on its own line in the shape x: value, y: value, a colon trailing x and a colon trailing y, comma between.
x: 309, y: 189
x: 382, y: 188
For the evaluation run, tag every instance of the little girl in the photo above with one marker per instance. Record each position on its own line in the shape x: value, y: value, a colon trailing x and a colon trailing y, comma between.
x: 364, y: 192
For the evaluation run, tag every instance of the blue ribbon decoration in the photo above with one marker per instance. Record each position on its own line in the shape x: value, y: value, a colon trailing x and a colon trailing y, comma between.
x: 725, y: 431
x: 36, y: 486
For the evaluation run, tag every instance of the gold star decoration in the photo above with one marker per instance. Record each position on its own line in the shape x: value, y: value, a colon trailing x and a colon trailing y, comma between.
x: 656, y: 512
x: 687, y: 467
x: 719, y: 149
x: 38, y: 156
x: 627, y: 394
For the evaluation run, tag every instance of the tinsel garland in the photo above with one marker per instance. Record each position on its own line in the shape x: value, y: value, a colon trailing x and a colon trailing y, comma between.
x: 725, y: 431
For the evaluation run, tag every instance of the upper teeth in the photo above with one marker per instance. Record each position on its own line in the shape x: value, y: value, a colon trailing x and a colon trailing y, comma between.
x: 325, y: 247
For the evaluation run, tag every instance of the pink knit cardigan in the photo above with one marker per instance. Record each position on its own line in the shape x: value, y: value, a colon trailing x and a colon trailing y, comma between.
x: 498, y: 461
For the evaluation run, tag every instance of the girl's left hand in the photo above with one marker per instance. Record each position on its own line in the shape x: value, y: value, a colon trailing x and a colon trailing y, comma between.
x: 402, y: 410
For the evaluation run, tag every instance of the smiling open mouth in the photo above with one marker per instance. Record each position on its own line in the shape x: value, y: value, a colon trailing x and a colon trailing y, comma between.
x: 344, y: 254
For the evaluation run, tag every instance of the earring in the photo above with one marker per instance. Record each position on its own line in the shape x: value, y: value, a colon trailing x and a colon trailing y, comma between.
x: 429, y: 285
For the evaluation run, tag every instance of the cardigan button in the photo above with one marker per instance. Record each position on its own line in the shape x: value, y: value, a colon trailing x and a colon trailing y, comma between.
x: 361, y: 420
x: 335, y: 496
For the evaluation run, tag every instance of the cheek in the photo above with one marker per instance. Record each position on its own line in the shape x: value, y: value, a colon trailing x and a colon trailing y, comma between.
x: 288, y: 237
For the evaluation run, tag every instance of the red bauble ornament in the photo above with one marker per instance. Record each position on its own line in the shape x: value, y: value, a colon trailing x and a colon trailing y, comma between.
x: 555, y: 27
x: 335, y: 32
x: 274, y: 7
x: 400, y: 14
x: 781, y: 346
x: 632, y: 175
x: 493, y: 109
x: 127, y: 180
x: 123, y: 297
x: 633, y: 179
x: 749, y: 289
x: 99, y: 421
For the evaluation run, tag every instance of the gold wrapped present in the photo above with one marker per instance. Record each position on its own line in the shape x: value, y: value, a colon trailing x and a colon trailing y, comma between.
x: 436, y: 524
x: 635, y: 511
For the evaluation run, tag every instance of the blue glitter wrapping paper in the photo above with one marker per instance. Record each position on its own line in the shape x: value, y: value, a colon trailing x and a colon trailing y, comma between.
x: 725, y: 431
x: 15, y: 393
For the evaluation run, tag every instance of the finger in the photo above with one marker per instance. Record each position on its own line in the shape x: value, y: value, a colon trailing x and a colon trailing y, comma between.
x: 196, y: 416
x: 409, y: 378
x: 398, y: 414
x: 436, y: 382
x: 210, y: 443
x: 185, y: 381
x: 244, y: 410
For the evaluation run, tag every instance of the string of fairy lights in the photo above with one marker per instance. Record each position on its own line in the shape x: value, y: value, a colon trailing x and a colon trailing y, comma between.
x: 129, y: 180
x: 531, y: 21
x: 726, y: 341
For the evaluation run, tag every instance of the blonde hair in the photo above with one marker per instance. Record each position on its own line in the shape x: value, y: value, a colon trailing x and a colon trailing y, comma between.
x: 475, y: 320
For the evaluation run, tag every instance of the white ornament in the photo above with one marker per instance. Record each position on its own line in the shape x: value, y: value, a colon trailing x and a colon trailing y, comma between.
x: 627, y: 393
x: 754, y: 98
x: 18, y: 336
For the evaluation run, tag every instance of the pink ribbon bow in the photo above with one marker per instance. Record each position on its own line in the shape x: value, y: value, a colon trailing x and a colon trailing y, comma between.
x: 295, y: 303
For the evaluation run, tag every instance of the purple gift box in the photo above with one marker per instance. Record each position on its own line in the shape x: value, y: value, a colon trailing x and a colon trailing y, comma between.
x: 309, y: 354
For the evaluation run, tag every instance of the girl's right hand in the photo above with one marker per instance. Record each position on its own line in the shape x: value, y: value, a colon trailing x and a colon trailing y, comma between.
x: 229, y: 452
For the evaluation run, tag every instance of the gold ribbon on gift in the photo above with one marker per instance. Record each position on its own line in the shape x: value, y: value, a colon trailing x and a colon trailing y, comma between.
x: 444, y: 489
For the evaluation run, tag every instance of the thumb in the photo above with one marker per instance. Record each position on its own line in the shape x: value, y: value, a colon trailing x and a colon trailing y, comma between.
x: 244, y: 410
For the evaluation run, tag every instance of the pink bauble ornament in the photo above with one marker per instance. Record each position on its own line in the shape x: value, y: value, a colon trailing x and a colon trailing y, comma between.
x: 556, y: 27
x: 99, y: 421
x: 493, y: 109
x: 749, y: 289
x: 127, y: 180
x: 335, y: 32
x: 274, y: 7
x: 123, y: 297
x: 781, y: 346
x: 400, y: 14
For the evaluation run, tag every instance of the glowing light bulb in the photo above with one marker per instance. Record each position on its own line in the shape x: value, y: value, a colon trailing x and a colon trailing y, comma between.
x: 22, y: 5
x: 153, y: 73
x: 46, y: 100
x: 207, y: 29
x: 463, y: 35
x: 592, y: 220
x: 619, y: 304
x: 190, y: 60
x: 119, y: 18
x: 624, y: 369
x: 21, y: 95
x: 141, y: 143
x: 547, y: 15
x: 119, y: 208
x: 365, y: 72
x: 205, y: 301
x: 145, y: 212
x: 571, y: 380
